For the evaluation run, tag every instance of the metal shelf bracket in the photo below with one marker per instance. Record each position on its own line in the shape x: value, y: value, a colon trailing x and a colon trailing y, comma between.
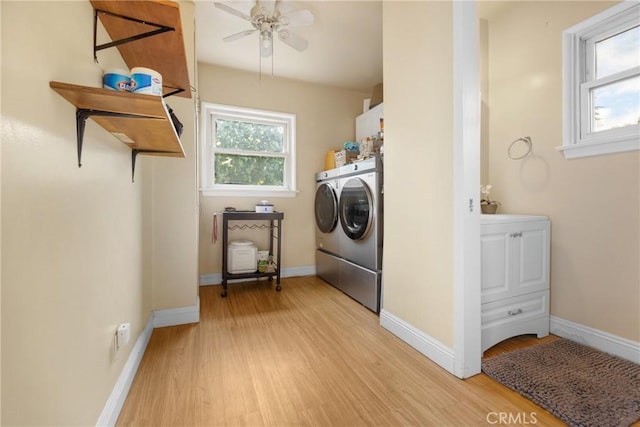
x: 159, y: 30
x: 82, y: 114
x: 134, y: 155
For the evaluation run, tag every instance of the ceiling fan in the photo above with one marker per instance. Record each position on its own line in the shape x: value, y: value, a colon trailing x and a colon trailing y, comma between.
x: 267, y: 19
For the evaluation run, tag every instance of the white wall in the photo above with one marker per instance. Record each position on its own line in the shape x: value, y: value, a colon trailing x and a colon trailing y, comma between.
x: 418, y: 236
x: 593, y: 203
x: 325, y: 120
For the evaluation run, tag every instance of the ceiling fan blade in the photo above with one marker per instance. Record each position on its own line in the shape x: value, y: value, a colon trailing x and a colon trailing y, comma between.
x: 232, y: 11
x: 268, y: 6
x: 293, y: 40
x: 297, y: 18
x: 239, y: 35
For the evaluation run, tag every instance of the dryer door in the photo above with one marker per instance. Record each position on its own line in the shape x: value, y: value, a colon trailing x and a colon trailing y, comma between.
x: 356, y: 209
x: 326, y: 206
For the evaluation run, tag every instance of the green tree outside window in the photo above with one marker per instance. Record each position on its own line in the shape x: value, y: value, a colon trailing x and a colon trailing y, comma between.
x: 246, y: 153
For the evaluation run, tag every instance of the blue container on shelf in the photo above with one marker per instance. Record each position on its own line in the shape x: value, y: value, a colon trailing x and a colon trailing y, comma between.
x: 116, y: 79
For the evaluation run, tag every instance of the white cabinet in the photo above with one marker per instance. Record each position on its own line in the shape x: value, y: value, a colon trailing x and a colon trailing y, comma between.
x: 515, y: 276
x: 368, y: 124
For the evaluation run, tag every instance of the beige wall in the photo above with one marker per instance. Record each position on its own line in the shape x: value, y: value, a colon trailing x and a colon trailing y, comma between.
x: 0, y: 234
x: 593, y: 203
x: 174, y: 212
x: 325, y: 120
x: 483, y: 38
x: 418, y: 236
x: 77, y: 244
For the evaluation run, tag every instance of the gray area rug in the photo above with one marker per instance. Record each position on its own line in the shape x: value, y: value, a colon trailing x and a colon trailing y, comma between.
x: 578, y: 384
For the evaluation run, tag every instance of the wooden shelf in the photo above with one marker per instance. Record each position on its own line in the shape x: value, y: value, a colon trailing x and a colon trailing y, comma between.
x: 147, y: 34
x: 151, y: 130
x: 162, y: 52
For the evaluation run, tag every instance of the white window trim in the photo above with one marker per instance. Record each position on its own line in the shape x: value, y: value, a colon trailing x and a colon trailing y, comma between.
x: 207, y: 160
x: 604, y: 142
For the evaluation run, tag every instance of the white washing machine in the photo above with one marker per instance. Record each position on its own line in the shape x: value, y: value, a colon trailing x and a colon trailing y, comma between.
x: 327, y: 226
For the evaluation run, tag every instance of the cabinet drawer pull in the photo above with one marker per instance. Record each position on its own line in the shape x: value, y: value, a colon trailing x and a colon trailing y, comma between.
x: 514, y: 312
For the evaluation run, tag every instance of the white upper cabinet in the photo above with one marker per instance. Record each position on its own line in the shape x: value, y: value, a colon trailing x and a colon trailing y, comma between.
x: 368, y: 124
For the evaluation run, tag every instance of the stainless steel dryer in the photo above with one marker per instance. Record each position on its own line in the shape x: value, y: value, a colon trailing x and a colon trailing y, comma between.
x: 327, y: 226
x: 360, y: 210
x: 360, y: 213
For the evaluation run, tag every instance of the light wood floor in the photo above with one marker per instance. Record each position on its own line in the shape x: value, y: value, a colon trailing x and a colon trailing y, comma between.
x: 308, y: 355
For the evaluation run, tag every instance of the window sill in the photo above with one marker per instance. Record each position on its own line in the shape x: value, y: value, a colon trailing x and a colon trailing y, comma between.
x: 599, y: 148
x: 248, y: 193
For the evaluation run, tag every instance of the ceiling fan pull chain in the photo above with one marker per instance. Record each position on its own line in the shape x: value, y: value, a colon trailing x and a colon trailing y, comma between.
x: 259, y: 62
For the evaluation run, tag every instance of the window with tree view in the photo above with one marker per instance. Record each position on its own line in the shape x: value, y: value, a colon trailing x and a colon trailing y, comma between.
x: 248, y: 152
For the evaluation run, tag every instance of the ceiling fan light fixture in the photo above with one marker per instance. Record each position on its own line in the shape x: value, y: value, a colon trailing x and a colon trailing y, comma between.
x: 266, y: 38
x: 267, y: 19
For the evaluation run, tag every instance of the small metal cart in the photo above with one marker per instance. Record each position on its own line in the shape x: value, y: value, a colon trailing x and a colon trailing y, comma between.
x: 275, y: 230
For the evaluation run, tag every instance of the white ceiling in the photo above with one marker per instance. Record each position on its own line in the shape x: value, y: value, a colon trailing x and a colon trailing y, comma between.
x: 345, y: 42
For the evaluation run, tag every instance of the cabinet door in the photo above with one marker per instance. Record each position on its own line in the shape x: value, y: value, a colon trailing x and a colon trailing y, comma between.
x: 368, y: 123
x: 531, y: 272
x: 361, y: 127
x: 496, y: 253
x: 514, y: 259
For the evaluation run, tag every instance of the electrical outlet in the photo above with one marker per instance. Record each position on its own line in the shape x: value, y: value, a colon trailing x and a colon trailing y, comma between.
x: 123, y: 334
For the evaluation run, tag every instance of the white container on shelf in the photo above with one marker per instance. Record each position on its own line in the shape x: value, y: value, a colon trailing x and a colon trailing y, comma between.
x: 147, y: 81
x: 243, y: 257
x: 264, y: 207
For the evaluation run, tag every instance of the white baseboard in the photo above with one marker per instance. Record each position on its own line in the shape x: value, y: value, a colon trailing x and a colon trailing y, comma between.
x: 177, y: 316
x: 158, y: 319
x: 216, y: 278
x: 112, y: 408
x: 603, y: 341
x: 425, y: 344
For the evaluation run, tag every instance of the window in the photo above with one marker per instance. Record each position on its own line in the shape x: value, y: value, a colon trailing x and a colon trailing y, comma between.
x: 247, y: 152
x: 601, y: 67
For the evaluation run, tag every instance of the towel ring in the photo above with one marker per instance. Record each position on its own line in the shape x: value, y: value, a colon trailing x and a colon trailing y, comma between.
x: 526, y: 140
